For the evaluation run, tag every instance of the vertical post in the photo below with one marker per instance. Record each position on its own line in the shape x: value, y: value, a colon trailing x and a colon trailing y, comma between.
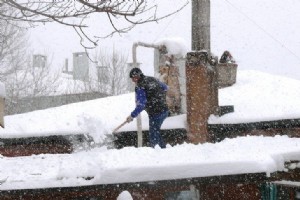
x: 2, y: 107
x: 66, y: 65
x: 198, y: 74
x: 139, y: 118
x: 201, y: 25
x: 198, y: 98
x: 139, y: 132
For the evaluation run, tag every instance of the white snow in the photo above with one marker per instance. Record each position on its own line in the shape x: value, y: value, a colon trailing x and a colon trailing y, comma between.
x: 256, y: 97
x: 125, y: 195
x: 99, y: 117
x: 175, y: 46
x: 231, y: 156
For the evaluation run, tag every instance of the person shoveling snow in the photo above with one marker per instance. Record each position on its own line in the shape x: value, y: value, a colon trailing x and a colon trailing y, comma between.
x: 151, y: 97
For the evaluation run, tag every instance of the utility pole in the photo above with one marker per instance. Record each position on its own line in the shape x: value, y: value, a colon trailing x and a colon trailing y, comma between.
x: 201, y: 25
x: 201, y: 98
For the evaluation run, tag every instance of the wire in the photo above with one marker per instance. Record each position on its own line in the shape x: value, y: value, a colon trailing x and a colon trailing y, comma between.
x: 262, y: 29
x: 175, y: 15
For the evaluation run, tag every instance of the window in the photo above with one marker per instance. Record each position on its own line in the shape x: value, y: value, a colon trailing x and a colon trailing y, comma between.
x: 192, y: 194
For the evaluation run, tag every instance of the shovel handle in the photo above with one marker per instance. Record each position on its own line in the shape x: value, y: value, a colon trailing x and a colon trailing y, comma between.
x: 116, y: 129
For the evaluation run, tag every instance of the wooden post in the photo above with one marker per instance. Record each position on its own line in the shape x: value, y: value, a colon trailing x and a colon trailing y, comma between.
x: 198, y: 88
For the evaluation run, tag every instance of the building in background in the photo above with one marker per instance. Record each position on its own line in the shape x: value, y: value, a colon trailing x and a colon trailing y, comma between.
x: 80, y: 66
x: 39, y: 61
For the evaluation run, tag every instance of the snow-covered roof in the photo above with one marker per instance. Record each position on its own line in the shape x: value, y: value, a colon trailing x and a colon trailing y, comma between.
x: 256, y: 96
x: 253, y: 98
x: 256, y: 154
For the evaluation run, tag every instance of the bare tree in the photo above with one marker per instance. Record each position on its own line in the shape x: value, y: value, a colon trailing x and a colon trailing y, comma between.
x: 21, y: 79
x: 112, y: 71
x: 12, y: 48
x: 76, y: 13
x: 28, y: 83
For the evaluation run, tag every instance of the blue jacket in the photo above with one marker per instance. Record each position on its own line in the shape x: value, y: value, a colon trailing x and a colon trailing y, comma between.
x: 151, y: 96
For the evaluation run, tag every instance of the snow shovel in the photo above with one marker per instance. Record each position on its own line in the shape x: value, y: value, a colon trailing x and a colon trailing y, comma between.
x: 110, y: 138
x: 116, y: 129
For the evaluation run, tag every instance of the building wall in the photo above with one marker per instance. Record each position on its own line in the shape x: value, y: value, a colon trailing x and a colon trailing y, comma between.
x: 80, y: 66
x: 53, y: 147
x: 43, y: 102
x: 217, y: 132
x: 54, y: 144
x: 235, y: 191
x: 290, y: 127
x: 230, y: 192
x: 39, y: 61
x: 213, y: 188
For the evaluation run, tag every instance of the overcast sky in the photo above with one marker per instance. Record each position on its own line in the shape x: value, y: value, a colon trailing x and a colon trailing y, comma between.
x: 261, y: 35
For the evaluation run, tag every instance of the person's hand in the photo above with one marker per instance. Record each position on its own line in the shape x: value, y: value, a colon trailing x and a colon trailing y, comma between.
x: 129, y: 119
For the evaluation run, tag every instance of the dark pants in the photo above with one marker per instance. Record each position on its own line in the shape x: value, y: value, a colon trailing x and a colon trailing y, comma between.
x: 155, y: 123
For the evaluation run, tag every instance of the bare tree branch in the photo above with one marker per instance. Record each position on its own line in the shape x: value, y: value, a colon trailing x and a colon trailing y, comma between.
x: 113, y: 66
x: 76, y: 13
x: 12, y: 48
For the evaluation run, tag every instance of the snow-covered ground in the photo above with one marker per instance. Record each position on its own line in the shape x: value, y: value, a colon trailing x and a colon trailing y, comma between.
x: 256, y: 95
x: 256, y: 34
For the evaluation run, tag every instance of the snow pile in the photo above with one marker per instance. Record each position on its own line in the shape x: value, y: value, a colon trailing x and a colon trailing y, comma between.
x: 258, y: 96
x: 175, y: 46
x: 125, y: 195
x: 255, y: 154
